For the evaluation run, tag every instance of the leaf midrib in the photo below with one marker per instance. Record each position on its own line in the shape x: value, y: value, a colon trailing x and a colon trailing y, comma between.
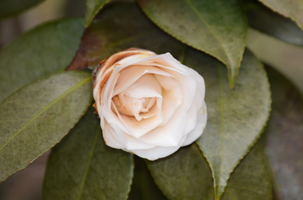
x: 44, y: 109
x: 222, y: 119
x: 90, y: 156
x: 209, y: 28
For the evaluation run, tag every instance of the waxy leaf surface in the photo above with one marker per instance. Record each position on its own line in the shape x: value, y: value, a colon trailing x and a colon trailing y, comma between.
x: 36, y: 117
x: 121, y: 26
x: 236, y: 117
x: 267, y: 21
x: 292, y: 9
x: 186, y: 175
x: 284, y: 132
x: 40, y: 52
x: 9, y: 8
x: 218, y: 28
x: 82, y: 167
x: 92, y: 9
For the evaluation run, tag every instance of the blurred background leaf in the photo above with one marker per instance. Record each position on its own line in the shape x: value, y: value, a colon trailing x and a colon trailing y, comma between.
x: 284, y: 57
x: 292, y: 9
x: 218, y: 28
x: 83, y: 167
x: 236, y: 117
x: 92, y: 9
x: 9, y: 8
x: 40, y: 52
x: 284, y: 133
x: 121, y: 26
x: 267, y: 21
x: 37, y: 116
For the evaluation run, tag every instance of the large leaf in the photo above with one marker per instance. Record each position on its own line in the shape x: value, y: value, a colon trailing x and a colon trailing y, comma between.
x: 12, y: 7
x: 144, y: 187
x: 218, y: 28
x: 83, y: 167
x: 292, y: 9
x: 235, y: 117
x: 186, y: 175
x: 271, y: 23
x: 92, y: 9
x: 40, y: 52
x: 284, y: 138
x: 121, y: 26
x: 37, y: 116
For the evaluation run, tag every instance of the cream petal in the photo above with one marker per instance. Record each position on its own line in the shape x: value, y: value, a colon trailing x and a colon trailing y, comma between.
x: 132, y: 73
x: 138, y: 128
x: 156, y: 152
x: 188, y: 84
x: 129, y: 142
x: 171, y: 133
x: 110, y: 137
x: 192, y: 112
x: 146, y: 86
x: 172, y: 96
x: 199, y: 128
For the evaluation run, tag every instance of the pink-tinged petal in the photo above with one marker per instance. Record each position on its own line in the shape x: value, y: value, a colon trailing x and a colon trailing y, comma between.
x: 135, y: 128
x: 130, y: 143
x: 132, y: 73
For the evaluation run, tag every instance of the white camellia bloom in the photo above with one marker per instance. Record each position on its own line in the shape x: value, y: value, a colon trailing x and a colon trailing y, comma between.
x: 149, y: 104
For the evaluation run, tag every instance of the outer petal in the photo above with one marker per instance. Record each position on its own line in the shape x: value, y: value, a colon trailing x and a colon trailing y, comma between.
x: 199, y: 128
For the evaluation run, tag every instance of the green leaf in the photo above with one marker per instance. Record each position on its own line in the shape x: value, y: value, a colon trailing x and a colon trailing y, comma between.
x: 92, y: 9
x: 284, y: 137
x: 121, y: 26
x: 186, y: 175
x: 83, y: 167
x: 9, y: 8
x: 250, y: 180
x: 37, y: 116
x: 271, y: 23
x: 235, y: 117
x: 292, y: 9
x: 218, y: 28
x: 183, y: 175
x: 40, y: 52
x: 144, y: 187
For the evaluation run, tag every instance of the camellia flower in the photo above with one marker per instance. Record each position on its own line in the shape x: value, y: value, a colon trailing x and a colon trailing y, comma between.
x: 149, y: 104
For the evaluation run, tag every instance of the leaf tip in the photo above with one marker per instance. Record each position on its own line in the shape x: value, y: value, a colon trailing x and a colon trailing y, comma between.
x: 232, y: 76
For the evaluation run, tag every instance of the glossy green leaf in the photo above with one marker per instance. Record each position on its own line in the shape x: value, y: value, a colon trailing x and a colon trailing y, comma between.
x: 284, y: 137
x: 121, y: 26
x: 144, y: 187
x: 82, y: 167
x: 40, y: 52
x: 235, y: 117
x: 9, y: 8
x: 218, y: 28
x: 186, y: 175
x: 265, y: 20
x: 292, y: 9
x: 92, y: 9
x: 37, y: 116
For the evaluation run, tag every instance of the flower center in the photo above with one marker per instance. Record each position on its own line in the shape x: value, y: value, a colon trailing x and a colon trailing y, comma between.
x: 136, y: 107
